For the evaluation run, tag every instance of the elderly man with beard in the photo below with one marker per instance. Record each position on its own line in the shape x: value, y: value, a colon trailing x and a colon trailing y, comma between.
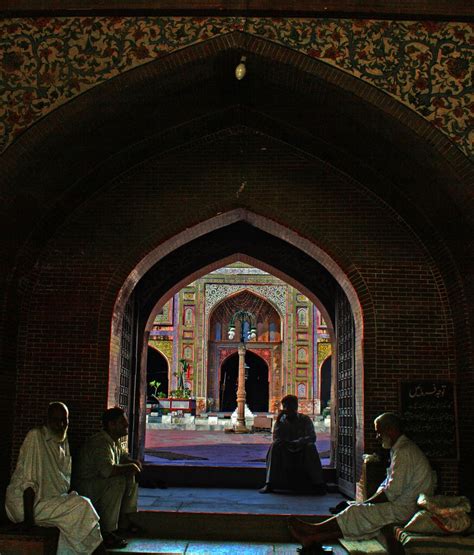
x: 409, y: 475
x: 39, y: 494
x: 107, y: 476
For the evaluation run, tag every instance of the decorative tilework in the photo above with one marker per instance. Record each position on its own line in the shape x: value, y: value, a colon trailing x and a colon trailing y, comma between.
x: 165, y: 348
x: 240, y: 271
x: 324, y: 350
x: 47, y: 61
x: 188, y: 352
x: 215, y: 292
x: 165, y: 317
x: 188, y: 315
x: 302, y: 354
x: 301, y: 390
x: 302, y: 316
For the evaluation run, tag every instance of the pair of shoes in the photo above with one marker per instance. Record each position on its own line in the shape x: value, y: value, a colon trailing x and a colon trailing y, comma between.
x: 313, y: 549
x: 267, y: 488
x: 112, y: 541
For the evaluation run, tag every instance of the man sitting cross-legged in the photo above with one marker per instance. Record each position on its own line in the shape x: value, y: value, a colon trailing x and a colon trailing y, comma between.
x: 409, y: 475
x: 106, y: 475
x: 293, y: 461
x: 39, y: 489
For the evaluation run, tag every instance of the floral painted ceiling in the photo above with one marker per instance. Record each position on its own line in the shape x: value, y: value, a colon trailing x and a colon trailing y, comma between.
x: 426, y: 65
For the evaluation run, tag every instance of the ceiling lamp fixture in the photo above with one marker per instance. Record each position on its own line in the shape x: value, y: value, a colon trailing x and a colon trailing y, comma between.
x: 241, y: 70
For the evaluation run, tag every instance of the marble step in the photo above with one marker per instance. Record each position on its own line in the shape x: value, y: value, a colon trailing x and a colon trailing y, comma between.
x: 210, y: 526
x: 150, y: 546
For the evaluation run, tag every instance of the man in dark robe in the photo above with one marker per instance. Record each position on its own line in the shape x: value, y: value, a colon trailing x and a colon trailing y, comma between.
x: 293, y: 460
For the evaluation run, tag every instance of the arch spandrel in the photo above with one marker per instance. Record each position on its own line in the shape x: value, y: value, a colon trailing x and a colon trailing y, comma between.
x: 342, y: 43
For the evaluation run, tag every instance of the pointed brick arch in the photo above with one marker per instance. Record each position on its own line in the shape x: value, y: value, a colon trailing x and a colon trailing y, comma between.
x: 218, y: 222
x: 152, y: 264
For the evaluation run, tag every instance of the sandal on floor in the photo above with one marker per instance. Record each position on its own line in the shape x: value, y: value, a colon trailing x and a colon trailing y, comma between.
x: 313, y: 549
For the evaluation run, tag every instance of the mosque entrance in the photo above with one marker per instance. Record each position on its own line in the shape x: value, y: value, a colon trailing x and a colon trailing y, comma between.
x: 296, y: 306
x: 256, y: 383
x: 195, y: 334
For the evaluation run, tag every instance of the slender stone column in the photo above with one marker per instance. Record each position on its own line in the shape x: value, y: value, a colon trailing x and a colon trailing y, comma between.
x: 240, y: 427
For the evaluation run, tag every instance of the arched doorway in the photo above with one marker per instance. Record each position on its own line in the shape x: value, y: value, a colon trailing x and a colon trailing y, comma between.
x: 156, y: 371
x: 256, y: 383
x: 244, y: 236
x: 267, y: 343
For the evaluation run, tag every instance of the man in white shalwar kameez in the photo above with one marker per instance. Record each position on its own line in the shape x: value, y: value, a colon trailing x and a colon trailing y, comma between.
x: 106, y: 474
x: 409, y: 475
x: 38, y: 493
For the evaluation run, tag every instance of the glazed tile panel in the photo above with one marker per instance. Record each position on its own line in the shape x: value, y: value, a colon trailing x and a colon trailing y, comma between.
x: 426, y: 65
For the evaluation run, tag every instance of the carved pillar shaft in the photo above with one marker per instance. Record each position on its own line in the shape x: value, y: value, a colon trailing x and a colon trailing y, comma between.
x: 240, y: 427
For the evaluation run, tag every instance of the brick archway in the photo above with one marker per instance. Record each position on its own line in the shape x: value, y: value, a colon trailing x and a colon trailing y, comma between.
x: 153, y: 265
x: 61, y: 194
x: 219, y: 222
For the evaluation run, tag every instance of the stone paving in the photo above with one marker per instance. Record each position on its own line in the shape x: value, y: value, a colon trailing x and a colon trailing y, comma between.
x: 190, y: 547
x: 222, y: 500
x: 215, y: 448
x: 233, y: 500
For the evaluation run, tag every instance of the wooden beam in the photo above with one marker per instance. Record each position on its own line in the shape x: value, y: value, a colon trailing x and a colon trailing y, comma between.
x: 386, y: 9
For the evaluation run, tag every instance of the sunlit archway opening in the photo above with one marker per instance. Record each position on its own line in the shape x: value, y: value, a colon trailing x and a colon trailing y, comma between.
x: 192, y: 408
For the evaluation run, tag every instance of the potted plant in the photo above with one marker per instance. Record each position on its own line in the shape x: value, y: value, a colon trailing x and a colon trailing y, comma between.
x: 155, y: 407
x: 180, y: 398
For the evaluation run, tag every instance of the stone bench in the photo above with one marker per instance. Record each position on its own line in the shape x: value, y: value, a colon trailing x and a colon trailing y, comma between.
x: 36, y: 541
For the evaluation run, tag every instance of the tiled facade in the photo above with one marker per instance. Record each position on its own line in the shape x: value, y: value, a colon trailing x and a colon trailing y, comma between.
x: 293, y: 350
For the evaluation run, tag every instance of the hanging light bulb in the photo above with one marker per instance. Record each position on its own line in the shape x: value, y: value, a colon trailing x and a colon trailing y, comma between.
x: 241, y: 70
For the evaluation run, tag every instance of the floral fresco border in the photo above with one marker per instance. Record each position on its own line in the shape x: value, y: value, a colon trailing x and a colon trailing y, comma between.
x: 426, y: 65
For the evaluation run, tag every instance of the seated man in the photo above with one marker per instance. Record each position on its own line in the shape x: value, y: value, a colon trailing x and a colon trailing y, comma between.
x: 293, y: 460
x: 39, y: 489
x: 409, y: 475
x: 106, y: 475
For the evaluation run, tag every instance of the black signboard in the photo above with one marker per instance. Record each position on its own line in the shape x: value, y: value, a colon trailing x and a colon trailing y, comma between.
x: 428, y: 409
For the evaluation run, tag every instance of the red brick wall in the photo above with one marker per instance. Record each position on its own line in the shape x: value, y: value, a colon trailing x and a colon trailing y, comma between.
x: 67, y: 310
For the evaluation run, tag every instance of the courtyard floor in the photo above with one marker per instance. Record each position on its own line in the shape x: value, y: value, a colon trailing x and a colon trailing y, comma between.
x: 215, y: 448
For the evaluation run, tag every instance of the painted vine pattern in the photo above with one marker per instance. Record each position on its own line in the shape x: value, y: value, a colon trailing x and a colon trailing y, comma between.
x: 426, y: 65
